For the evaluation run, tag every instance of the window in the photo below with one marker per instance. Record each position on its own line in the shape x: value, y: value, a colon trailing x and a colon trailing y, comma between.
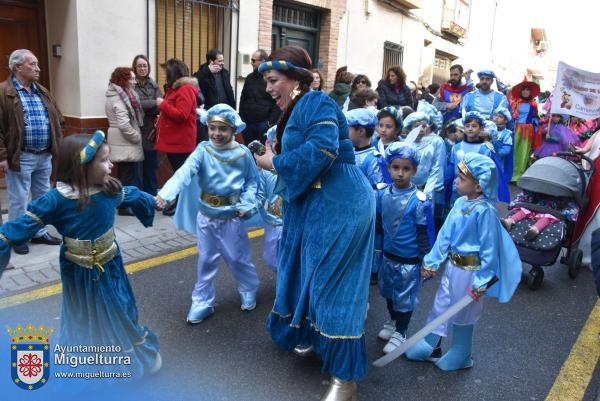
x: 392, y: 55
x: 187, y: 29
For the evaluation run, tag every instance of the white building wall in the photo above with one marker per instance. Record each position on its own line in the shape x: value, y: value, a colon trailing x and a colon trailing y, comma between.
x: 61, y: 23
x: 249, y: 16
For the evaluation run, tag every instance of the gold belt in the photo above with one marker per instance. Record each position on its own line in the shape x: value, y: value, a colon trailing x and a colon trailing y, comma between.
x: 465, y: 262
x: 275, y: 208
x: 218, y: 201
x: 90, y: 254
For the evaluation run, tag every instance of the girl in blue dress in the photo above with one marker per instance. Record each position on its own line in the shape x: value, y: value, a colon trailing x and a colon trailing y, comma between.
x: 328, y: 223
x: 98, y: 305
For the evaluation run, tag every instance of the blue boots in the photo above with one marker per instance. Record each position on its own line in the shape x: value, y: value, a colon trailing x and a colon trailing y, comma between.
x: 198, y: 313
x: 248, y: 300
x: 426, y: 350
x: 459, y: 354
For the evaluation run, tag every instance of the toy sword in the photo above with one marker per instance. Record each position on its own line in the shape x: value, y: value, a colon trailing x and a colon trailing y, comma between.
x: 451, y: 311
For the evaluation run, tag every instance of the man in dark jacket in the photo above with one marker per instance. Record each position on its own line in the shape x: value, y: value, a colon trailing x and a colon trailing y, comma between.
x: 213, y: 80
x: 257, y: 107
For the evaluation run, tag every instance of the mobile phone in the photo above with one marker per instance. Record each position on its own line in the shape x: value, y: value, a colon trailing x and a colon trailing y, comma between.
x: 256, y: 147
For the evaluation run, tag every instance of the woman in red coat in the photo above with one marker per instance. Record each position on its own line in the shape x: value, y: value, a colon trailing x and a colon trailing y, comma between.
x: 176, y: 126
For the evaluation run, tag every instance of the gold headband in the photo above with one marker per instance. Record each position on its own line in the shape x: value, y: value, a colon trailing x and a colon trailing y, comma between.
x: 462, y: 167
x: 219, y: 119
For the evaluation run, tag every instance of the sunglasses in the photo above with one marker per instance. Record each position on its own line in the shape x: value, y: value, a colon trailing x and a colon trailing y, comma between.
x: 254, y: 60
x: 362, y: 82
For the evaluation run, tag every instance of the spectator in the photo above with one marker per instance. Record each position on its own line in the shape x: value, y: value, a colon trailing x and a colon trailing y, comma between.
x: 364, y: 98
x: 213, y: 80
x: 342, y: 88
x: 393, y: 90
x: 125, y: 117
x: 452, y: 93
x: 148, y: 91
x: 257, y: 109
x: 317, y: 83
x: 26, y: 150
x: 430, y: 93
x: 176, y: 126
x: 360, y: 81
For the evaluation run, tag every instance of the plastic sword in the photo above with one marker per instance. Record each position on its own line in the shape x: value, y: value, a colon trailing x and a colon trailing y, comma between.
x: 451, y: 311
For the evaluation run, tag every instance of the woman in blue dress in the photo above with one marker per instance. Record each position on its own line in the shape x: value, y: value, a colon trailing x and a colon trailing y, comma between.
x: 328, y: 225
x: 98, y: 305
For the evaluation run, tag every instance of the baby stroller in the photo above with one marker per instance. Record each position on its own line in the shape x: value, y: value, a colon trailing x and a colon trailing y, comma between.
x: 561, y: 175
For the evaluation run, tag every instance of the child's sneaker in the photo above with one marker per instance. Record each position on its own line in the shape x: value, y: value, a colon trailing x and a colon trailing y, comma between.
x: 396, y: 340
x: 388, y: 329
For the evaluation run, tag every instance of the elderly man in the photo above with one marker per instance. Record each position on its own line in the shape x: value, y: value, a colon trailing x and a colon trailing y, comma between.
x: 30, y: 132
x: 257, y: 107
x: 484, y: 100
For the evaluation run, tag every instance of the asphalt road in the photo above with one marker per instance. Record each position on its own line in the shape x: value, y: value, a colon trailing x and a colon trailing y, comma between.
x: 519, y: 347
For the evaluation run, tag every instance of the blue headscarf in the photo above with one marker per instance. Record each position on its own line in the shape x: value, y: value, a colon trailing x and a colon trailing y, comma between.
x: 486, y: 73
x: 225, y: 114
x: 474, y: 115
x: 504, y: 112
x: 415, y: 117
x: 87, y: 154
x: 482, y: 170
x: 432, y: 112
x: 270, y: 134
x: 394, y: 112
x: 361, y: 118
x: 397, y: 150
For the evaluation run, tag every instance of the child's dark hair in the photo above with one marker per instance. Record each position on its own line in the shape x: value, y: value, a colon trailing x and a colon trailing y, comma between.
x: 473, y: 119
x: 70, y: 170
x: 383, y: 113
x: 369, y: 132
x: 449, y: 128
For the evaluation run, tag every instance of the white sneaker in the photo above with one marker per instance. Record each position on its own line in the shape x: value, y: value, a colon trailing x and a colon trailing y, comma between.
x: 396, y: 340
x: 388, y: 329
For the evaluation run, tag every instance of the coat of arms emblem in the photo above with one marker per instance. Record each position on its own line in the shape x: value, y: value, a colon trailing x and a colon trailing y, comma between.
x: 30, y: 355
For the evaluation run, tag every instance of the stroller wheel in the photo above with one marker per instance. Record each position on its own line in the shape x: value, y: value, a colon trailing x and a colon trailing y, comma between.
x: 575, y: 262
x: 536, y: 276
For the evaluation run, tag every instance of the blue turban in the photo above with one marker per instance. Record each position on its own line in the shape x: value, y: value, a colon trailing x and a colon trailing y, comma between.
x: 432, y: 112
x: 474, y: 115
x: 486, y: 73
x: 225, y: 114
x: 482, y: 170
x: 505, y: 113
x: 394, y: 112
x: 397, y: 150
x: 415, y: 117
x: 87, y: 154
x: 361, y: 118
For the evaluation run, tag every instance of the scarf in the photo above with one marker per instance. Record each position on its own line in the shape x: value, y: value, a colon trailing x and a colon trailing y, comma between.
x: 132, y: 103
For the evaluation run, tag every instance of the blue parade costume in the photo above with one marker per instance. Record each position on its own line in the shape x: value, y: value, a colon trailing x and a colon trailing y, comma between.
x: 98, y: 304
x: 216, y: 185
x: 474, y: 248
x: 326, y: 250
x: 484, y: 103
x: 270, y: 206
x: 504, y: 146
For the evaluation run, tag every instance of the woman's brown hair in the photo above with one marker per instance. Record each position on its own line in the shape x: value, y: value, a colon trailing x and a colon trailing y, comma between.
x: 120, y: 76
x: 70, y: 170
x: 318, y: 72
x: 300, y: 58
x: 396, y: 69
x: 134, y: 64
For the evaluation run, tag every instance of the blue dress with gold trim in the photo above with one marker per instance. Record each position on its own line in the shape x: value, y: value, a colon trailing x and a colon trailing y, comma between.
x: 327, y: 243
x: 98, y: 304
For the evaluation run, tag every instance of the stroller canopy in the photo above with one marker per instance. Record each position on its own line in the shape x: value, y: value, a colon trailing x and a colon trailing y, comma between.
x: 555, y: 176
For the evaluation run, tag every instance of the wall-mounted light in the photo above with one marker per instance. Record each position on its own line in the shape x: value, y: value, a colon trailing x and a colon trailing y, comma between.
x: 56, y: 51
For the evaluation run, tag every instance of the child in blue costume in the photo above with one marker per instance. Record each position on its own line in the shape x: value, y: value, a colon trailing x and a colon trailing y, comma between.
x: 270, y: 206
x: 98, y: 305
x: 504, y: 144
x: 218, y: 184
x: 389, y: 127
x: 361, y: 125
x: 432, y: 159
x: 474, y: 247
x: 404, y: 212
x: 475, y: 128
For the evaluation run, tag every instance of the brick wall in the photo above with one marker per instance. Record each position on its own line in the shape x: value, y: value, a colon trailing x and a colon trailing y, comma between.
x: 332, y: 12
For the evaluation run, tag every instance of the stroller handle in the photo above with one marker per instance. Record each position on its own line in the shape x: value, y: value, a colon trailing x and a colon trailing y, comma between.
x: 579, y: 157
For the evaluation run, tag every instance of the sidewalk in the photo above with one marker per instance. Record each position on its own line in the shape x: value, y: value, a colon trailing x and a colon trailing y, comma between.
x: 40, y: 266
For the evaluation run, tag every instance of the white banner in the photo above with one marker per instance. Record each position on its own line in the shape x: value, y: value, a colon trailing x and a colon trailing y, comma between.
x: 577, y: 92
